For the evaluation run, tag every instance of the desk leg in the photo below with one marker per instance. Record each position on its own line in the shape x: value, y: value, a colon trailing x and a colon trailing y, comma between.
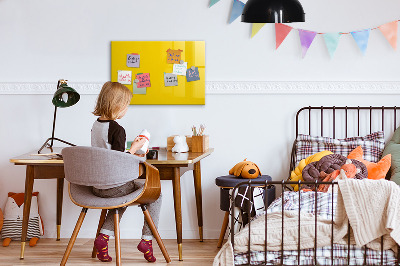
x: 27, y: 206
x: 199, y: 204
x: 176, y: 182
x: 60, y: 190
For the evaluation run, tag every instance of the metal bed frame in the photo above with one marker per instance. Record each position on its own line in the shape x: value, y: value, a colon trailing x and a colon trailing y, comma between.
x: 283, y: 184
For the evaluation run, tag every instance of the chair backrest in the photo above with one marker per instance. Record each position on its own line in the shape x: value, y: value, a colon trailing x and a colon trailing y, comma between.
x: 92, y: 166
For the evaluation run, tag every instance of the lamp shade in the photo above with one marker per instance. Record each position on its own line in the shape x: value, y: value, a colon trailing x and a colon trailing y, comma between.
x: 65, y: 96
x: 273, y: 11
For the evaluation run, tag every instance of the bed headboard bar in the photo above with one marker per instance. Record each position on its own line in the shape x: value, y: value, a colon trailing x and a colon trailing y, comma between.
x: 321, y: 109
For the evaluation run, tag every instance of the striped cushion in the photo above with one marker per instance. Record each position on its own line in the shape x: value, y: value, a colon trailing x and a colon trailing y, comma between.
x: 372, y: 145
x: 13, y: 228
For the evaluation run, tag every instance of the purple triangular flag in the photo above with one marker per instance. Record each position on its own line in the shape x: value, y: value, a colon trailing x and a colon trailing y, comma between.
x: 306, y: 39
x: 237, y: 9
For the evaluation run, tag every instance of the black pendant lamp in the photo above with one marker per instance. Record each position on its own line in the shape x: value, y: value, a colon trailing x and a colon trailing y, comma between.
x: 273, y: 11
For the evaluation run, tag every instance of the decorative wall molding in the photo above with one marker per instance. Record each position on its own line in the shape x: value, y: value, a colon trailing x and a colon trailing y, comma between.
x: 232, y: 87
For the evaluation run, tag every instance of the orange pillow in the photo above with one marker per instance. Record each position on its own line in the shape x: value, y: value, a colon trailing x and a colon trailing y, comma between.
x: 375, y: 170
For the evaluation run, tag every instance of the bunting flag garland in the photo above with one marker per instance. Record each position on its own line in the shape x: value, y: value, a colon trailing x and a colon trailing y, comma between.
x: 281, y: 31
x: 237, y: 9
x: 306, y: 39
x: 361, y: 37
x: 332, y: 41
x: 389, y: 30
x: 256, y: 27
x: 213, y: 2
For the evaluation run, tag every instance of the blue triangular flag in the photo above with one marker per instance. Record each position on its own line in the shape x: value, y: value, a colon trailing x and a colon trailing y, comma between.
x: 361, y: 37
x: 213, y: 2
x: 332, y: 41
x: 237, y: 9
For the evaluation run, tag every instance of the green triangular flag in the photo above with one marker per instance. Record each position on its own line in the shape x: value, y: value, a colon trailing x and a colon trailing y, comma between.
x: 256, y: 27
x: 332, y: 41
x: 213, y: 2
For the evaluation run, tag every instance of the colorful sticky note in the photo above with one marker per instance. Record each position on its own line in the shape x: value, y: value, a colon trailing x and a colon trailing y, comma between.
x: 192, y: 74
x: 180, y: 69
x: 170, y: 79
x: 174, y: 56
x: 133, y: 60
x: 144, y: 80
x: 125, y: 76
x: 136, y: 90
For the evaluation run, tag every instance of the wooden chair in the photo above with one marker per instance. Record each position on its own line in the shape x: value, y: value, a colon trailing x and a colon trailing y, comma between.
x: 85, y: 167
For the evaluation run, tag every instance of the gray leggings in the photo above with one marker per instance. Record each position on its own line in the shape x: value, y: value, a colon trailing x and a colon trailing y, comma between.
x: 154, y: 208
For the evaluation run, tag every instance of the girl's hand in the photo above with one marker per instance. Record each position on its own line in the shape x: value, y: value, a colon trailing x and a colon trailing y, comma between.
x: 137, y: 144
x: 142, y: 155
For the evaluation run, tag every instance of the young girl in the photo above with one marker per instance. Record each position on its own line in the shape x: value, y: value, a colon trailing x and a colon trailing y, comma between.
x: 112, y: 104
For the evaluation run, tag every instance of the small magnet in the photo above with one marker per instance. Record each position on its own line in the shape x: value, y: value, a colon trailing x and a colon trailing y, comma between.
x: 181, y: 62
x: 136, y: 81
x: 193, y: 68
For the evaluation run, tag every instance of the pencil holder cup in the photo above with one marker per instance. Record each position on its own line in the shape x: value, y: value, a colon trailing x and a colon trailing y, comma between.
x: 200, y: 143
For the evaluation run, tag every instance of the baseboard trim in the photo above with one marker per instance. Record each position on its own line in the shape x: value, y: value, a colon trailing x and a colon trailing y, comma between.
x: 230, y: 87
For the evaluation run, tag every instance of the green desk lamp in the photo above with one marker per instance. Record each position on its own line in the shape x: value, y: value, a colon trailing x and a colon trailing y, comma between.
x: 65, y: 96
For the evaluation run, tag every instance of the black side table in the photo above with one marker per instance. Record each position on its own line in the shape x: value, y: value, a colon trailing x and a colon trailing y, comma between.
x: 226, y: 183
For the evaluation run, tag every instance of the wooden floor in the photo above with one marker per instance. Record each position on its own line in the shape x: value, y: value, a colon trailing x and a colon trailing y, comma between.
x: 50, y: 252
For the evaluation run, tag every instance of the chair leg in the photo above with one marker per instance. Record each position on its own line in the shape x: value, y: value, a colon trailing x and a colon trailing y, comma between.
x: 223, y: 229
x: 101, y: 222
x: 154, y: 230
x: 73, y: 237
x: 117, y: 239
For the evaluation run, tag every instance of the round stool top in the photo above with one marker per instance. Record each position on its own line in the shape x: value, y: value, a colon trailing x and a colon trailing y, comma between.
x: 230, y: 181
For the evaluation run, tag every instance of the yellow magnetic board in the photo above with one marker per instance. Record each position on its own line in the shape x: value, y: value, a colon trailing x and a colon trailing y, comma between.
x: 153, y: 60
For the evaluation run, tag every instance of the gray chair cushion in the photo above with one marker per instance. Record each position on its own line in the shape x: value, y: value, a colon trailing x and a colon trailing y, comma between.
x: 84, y: 196
x: 99, y: 167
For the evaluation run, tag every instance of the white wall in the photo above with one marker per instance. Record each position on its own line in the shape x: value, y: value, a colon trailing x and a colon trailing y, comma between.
x: 42, y: 41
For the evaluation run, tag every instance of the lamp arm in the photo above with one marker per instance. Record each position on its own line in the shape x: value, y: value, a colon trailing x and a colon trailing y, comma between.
x: 54, y: 126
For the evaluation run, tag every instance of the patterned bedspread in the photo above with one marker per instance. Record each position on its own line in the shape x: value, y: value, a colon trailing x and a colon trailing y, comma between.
x: 306, y: 202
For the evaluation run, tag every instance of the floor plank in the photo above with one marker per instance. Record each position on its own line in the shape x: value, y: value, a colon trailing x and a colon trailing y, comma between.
x: 49, y: 252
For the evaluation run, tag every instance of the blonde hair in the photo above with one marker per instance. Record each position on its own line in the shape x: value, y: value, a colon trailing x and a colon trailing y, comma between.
x: 112, y: 99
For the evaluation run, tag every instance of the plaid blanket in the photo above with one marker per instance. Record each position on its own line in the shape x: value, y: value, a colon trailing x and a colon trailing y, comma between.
x: 323, y: 205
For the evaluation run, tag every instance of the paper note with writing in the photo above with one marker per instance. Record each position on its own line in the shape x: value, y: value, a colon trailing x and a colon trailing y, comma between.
x: 125, y: 77
x: 133, y: 60
x: 144, y: 80
x: 174, y: 56
x: 180, y: 69
x: 170, y: 79
x: 192, y: 74
x: 136, y: 90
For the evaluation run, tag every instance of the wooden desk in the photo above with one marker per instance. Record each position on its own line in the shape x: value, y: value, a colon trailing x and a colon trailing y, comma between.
x: 40, y: 167
x: 171, y: 167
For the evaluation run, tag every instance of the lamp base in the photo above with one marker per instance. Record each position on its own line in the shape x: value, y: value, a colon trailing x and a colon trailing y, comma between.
x: 50, y: 146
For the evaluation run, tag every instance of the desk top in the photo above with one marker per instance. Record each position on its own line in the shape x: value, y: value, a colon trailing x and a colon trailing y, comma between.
x: 164, y: 157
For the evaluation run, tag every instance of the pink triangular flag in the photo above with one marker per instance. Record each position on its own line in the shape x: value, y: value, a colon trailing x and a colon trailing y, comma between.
x: 306, y: 39
x: 281, y: 31
x: 389, y: 30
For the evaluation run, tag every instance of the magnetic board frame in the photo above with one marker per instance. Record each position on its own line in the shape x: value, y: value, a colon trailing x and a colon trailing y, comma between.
x: 153, y: 60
